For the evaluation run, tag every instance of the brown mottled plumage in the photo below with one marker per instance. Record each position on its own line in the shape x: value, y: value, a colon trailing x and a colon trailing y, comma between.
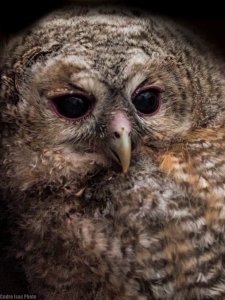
x: 81, y: 228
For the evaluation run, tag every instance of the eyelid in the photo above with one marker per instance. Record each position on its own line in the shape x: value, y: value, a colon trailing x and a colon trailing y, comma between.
x: 68, y: 90
x: 59, y: 94
x: 142, y: 88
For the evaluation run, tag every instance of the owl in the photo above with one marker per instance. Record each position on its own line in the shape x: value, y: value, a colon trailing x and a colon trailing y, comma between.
x: 112, y: 164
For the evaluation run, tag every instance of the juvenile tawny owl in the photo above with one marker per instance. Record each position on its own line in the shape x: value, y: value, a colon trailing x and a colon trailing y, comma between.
x: 112, y: 157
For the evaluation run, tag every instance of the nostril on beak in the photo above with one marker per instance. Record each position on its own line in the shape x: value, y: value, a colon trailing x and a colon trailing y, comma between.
x: 120, y: 139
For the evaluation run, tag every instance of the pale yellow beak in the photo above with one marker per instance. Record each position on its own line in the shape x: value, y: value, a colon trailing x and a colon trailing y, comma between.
x: 121, y: 145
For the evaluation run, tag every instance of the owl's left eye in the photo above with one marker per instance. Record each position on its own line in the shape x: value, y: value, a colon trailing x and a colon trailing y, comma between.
x: 73, y: 107
x: 147, y: 101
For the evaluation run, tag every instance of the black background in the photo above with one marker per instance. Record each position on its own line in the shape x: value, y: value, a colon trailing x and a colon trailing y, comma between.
x: 207, y: 18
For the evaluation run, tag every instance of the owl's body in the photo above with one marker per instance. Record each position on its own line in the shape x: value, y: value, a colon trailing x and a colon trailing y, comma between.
x: 80, y: 227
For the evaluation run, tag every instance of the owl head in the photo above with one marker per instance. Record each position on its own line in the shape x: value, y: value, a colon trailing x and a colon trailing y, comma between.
x: 87, y: 88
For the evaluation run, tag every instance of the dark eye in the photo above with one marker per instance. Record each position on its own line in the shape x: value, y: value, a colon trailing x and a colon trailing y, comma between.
x: 73, y: 106
x: 147, y: 102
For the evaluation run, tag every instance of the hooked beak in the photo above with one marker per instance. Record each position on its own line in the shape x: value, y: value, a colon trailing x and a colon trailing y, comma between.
x: 120, y: 145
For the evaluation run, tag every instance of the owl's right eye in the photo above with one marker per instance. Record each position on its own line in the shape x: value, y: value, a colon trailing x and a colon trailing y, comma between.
x: 73, y: 107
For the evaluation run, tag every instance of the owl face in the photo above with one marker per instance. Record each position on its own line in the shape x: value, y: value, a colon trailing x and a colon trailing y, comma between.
x: 93, y: 89
x: 112, y: 157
